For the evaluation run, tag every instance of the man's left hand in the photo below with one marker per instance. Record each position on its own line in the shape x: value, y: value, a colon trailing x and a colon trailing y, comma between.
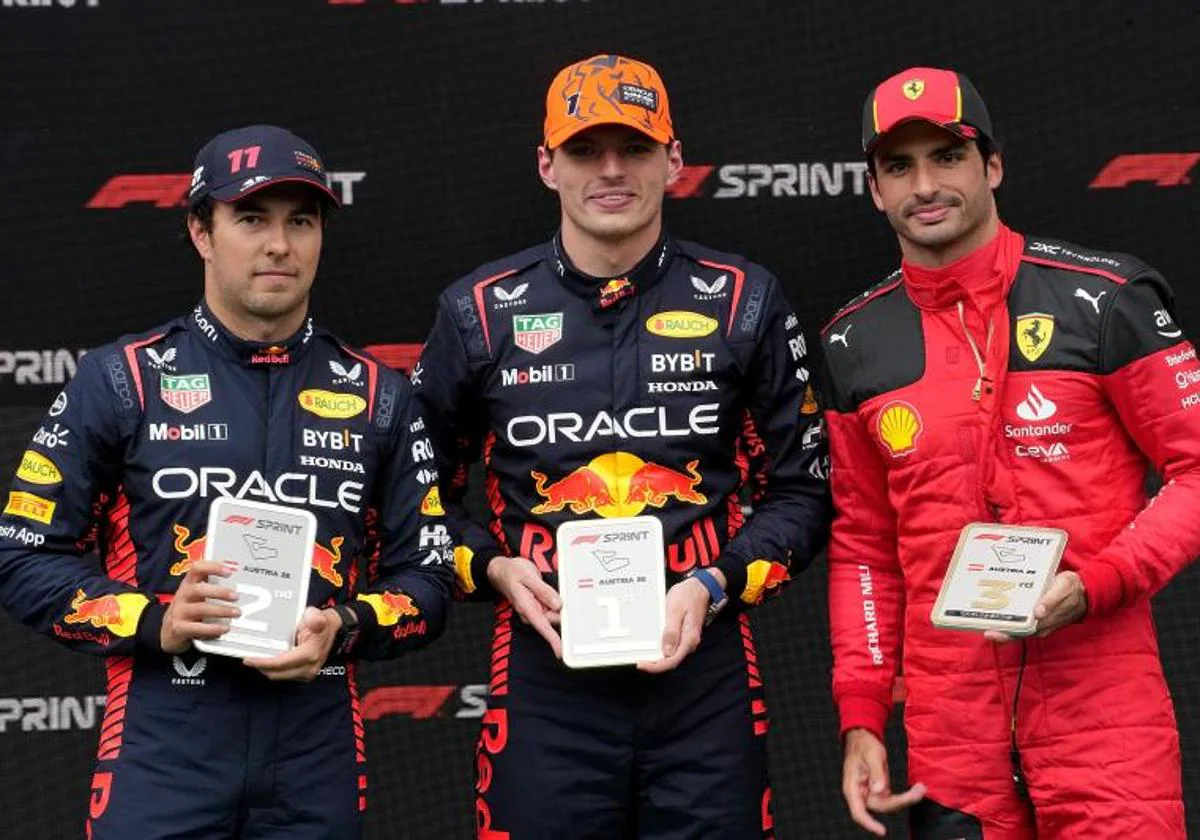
x: 314, y: 638
x: 1065, y: 602
x: 687, y: 607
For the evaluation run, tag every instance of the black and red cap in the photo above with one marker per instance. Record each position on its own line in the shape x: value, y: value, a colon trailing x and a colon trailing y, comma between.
x: 242, y: 161
x: 945, y: 98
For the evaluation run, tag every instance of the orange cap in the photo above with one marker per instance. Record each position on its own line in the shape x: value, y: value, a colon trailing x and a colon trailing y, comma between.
x: 607, y: 89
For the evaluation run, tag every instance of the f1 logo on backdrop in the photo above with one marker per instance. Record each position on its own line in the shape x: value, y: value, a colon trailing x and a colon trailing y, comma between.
x: 812, y: 179
x: 170, y: 190
x: 1161, y: 169
x: 421, y: 702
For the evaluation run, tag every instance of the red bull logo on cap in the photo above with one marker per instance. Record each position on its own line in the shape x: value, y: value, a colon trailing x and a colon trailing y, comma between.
x: 618, y: 484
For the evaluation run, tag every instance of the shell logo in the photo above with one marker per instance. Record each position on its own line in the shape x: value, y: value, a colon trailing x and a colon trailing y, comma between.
x: 899, y: 427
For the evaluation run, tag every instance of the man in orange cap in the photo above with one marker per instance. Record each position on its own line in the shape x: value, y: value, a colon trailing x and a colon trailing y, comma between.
x: 616, y: 371
x: 1003, y: 379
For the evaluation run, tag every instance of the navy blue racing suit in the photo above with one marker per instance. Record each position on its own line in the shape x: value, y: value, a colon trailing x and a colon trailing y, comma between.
x: 125, y: 465
x: 662, y: 392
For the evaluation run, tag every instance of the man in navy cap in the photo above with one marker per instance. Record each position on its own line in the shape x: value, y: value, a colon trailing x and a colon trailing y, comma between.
x: 242, y: 397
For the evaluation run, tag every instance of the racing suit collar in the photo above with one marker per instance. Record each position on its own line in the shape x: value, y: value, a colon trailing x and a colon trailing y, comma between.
x: 204, y: 323
x: 981, y: 279
x: 609, y: 292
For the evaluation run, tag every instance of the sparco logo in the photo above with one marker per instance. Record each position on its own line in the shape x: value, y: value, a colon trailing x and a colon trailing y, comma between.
x: 644, y: 422
x: 119, y: 380
x: 39, y: 367
x: 289, y: 488
x: 773, y: 180
x: 189, y: 432
x: 535, y: 374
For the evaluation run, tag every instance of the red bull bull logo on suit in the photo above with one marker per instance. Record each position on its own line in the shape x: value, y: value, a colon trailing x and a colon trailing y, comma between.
x: 618, y: 484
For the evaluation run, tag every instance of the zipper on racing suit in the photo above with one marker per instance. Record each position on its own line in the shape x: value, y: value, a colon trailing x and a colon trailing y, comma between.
x: 984, y: 384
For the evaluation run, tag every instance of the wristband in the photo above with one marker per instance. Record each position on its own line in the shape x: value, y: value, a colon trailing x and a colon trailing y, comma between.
x: 716, y: 595
x: 347, y: 635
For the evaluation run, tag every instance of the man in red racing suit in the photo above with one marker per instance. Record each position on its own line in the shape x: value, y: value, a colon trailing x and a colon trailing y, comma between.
x: 1004, y: 378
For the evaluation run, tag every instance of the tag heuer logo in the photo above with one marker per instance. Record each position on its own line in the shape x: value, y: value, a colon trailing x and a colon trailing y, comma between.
x: 535, y: 333
x: 185, y: 393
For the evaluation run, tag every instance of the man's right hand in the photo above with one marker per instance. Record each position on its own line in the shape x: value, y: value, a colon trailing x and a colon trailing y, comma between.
x: 535, y: 601
x: 867, y: 785
x: 184, y: 618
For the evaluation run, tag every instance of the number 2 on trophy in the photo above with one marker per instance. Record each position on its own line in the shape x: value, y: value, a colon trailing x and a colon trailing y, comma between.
x: 260, y: 599
x: 614, y: 629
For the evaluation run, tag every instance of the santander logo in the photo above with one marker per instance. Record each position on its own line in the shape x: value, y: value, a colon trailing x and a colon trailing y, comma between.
x: 1036, y: 406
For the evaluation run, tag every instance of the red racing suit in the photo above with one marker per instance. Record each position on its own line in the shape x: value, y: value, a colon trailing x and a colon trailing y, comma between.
x: 1052, y: 422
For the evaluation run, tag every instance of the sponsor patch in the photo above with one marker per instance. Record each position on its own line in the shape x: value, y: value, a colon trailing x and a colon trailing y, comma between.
x: 186, y: 392
x: 681, y: 324
x: 809, y: 406
x: 431, y: 505
x: 30, y: 506
x: 535, y: 333
x: 899, y: 428
x: 637, y: 95
x: 616, y: 290
x: 331, y: 404
x: 1034, y: 332
x: 36, y: 468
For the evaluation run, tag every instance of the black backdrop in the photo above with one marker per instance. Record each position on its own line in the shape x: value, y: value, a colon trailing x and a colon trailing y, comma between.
x: 429, y: 112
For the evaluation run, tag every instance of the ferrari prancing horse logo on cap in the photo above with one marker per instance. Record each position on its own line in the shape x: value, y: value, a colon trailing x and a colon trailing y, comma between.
x: 913, y: 89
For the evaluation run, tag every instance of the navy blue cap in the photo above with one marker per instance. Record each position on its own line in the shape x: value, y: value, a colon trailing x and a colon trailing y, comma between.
x: 242, y: 161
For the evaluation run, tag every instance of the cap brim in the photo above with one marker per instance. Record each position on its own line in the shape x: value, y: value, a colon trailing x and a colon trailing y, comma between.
x: 234, y: 192
x: 564, y: 133
x: 958, y: 129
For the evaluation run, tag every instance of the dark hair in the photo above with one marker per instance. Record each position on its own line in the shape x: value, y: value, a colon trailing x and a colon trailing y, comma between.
x: 203, y: 210
x: 987, y: 146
